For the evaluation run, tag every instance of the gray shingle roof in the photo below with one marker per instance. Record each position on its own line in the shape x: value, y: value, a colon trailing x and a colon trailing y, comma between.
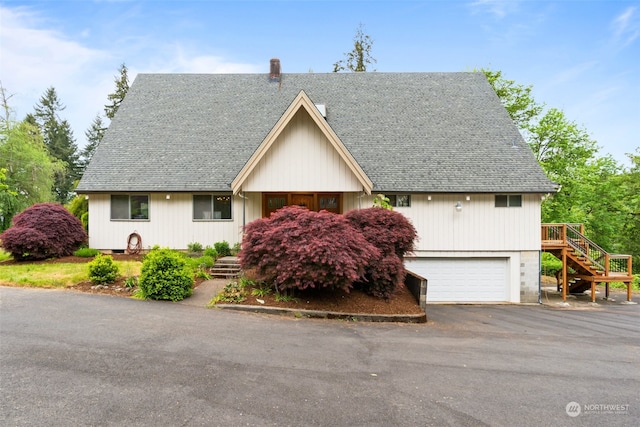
x: 410, y: 132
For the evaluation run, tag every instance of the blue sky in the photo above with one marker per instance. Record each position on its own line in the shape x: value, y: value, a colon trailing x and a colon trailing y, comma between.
x: 582, y: 57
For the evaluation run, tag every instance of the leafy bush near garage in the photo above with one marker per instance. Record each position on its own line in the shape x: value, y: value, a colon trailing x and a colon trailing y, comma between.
x: 165, y: 275
x: 297, y: 249
x: 550, y: 264
x: 102, y: 270
x: 394, y: 236
x: 44, y: 230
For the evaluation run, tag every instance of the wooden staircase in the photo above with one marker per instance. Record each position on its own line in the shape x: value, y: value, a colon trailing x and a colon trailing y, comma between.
x: 226, y: 267
x: 584, y: 264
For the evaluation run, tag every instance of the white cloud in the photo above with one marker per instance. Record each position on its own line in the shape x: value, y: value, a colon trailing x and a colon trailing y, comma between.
x: 177, y: 60
x: 34, y: 57
x: 626, y: 26
x: 498, y: 8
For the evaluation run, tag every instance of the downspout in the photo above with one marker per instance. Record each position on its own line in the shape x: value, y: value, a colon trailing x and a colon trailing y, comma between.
x: 244, y: 211
x: 539, y: 277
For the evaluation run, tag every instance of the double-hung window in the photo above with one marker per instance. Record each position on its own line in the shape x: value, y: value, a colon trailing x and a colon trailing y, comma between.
x: 211, y: 206
x: 130, y: 206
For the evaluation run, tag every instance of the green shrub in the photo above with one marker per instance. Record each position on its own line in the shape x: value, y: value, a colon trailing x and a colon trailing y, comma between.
x: 199, y: 263
x: 211, y: 252
x: 550, y: 264
x: 86, y: 252
x: 194, y: 247
x: 102, y: 270
x: 222, y: 248
x: 235, y: 250
x: 165, y: 276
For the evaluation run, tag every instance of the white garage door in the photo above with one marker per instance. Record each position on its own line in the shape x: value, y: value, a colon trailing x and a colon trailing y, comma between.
x: 463, y: 280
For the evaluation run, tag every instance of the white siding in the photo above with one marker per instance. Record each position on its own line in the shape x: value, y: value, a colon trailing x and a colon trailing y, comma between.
x: 302, y: 159
x: 480, y: 226
x: 170, y: 223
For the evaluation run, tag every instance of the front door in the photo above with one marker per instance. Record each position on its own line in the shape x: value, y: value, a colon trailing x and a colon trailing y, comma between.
x: 303, y: 200
x: 331, y: 202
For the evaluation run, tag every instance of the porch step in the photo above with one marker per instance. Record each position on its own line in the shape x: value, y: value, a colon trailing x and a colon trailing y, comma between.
x: 226, y: 268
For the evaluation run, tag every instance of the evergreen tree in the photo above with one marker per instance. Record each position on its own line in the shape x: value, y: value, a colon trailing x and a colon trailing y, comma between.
x: 116, y: 98
x: 58, y: 138
x: 94, y: 135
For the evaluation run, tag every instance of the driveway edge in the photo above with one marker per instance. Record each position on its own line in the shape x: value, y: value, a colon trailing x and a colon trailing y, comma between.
x: 316, y: 314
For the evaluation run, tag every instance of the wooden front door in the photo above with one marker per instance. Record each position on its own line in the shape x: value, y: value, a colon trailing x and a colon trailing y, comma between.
x: 331, y: 202
x: 304, y: 200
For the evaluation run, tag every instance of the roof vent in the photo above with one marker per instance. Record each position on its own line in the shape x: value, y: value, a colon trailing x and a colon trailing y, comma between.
x: 323, y: 109
x: 274, y: 73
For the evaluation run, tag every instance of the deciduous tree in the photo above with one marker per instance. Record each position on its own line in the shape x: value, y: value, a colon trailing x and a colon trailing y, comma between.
x: 29, y: 170
x: 358, y: 59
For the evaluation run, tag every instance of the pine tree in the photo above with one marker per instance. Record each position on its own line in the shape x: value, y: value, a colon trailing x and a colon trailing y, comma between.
x: 94, y: 135
x: 58, y: 138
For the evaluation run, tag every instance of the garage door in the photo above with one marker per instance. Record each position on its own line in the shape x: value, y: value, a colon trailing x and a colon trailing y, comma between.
x: 463, y: 280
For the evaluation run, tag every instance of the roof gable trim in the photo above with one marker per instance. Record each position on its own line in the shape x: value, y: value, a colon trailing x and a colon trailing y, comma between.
x: 301, y: 101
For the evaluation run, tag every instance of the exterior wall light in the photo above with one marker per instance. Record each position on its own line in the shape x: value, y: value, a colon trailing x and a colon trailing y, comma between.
x: 459, y: 206
x: 168, y: 196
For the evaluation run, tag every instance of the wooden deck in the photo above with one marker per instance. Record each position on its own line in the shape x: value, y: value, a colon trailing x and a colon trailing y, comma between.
x: 584, y: 263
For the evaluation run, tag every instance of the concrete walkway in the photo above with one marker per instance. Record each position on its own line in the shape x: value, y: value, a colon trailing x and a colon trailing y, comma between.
x: 206, y: 290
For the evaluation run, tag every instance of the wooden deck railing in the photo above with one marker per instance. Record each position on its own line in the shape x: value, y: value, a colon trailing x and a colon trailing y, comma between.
x: 572, y: 235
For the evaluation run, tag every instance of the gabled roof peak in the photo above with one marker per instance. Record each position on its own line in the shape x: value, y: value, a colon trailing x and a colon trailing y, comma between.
x: 302, y: 101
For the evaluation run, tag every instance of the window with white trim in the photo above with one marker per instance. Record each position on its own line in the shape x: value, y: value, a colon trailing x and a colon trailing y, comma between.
x: 508, y: 200
x: 129, y: 206
x: 211, y: 206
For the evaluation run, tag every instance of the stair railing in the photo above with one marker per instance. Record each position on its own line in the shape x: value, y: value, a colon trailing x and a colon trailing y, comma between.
x: 598, y: 257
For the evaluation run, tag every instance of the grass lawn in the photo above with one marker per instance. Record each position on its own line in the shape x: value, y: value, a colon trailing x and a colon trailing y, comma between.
x: 57, y: 274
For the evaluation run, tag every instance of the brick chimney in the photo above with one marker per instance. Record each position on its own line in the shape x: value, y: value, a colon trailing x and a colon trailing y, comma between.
x: 274, y: 73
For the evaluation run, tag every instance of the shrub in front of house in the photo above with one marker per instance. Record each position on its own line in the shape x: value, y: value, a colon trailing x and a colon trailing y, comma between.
x: 86, y: 252
x: 394, y: 236
x: 210, y: 252
x: 297, y: 249
x: 44, y: 230
x: 222, y: 248
x: 102, y: 270
x: 165, y: 275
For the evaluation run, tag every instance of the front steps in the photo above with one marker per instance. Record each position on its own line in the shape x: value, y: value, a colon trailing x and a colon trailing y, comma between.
x: 226, y: 267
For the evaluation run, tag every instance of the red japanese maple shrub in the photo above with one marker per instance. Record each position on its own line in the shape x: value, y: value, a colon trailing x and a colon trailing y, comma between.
x: 394, y: 235
x: 44, y: 230
x: 297, y: 248
x: 387, y: 230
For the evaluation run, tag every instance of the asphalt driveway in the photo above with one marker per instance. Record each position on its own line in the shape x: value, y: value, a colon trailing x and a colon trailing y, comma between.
x: 78, y: 359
